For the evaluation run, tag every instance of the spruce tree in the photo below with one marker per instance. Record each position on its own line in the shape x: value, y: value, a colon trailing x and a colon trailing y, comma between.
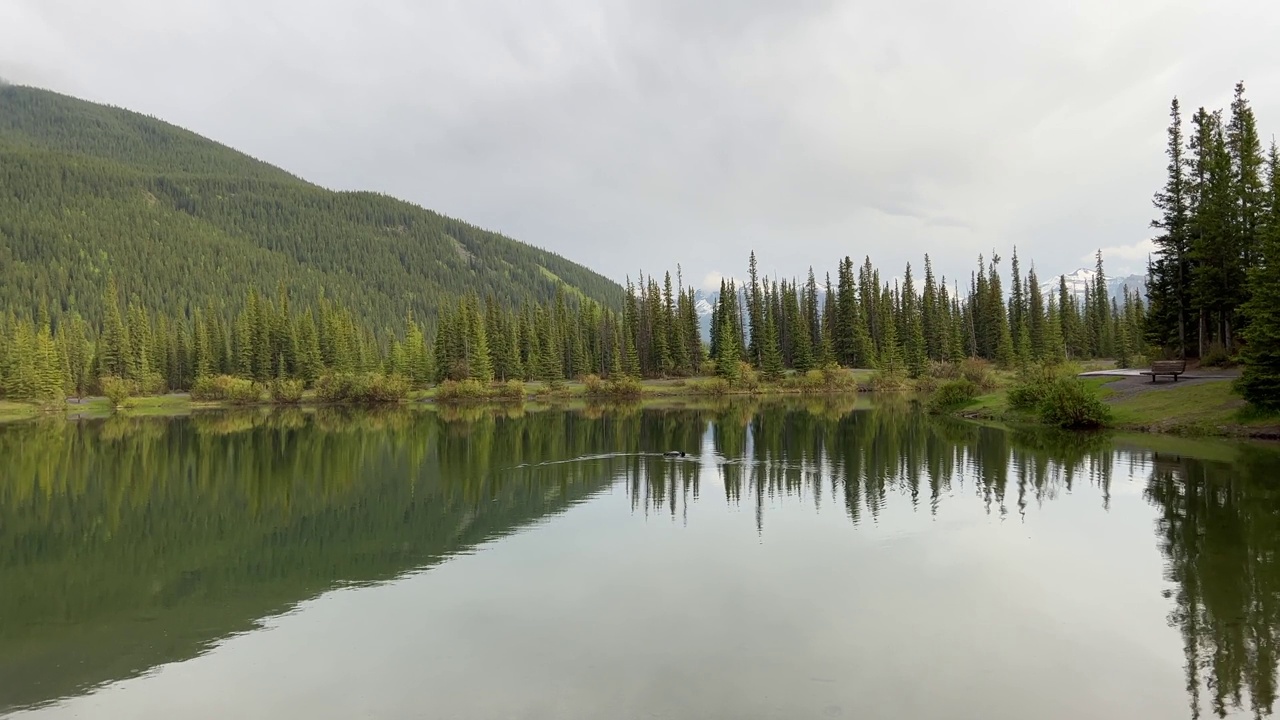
x: 729, y: 357
x: 931, y: 315
x: 114, y: 351
x: 1260, y: 379
x: 1035, y: 316
x: 755, y: 309
x: 995, y: 320
x: 1054, y: 346
x: 891, y: 362
x: 75, y: 339
x: 1169, y: 282
x: 771, y: 355
x: 914, y: 342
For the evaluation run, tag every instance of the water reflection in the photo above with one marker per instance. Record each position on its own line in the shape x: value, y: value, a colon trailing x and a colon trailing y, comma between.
x: 129, y: 543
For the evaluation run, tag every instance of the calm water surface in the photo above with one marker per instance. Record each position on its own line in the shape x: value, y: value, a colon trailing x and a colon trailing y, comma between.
x: 804, y: 562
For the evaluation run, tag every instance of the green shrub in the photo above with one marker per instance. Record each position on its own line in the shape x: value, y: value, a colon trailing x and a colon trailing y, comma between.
x: 748, y: 379
x: 224, y: 388
x: 953, y: 394
x: 944, y: 370
x: 926, y: 384
x: 979, y: 373
x: 244, y: 392
x: 624, y: 386
x: 383, y: 389
x: 285, y: 392
x: 889, y: 381
x: 205, y: 389
x: 710, y: 386
x: 830, y: 379
x: 152, y: 384
x: 509, y: 390
x: 1069, y: 404
x: 809, y: 382
x: 365, y: 388
x: 454, y: 390
x: 618, y: 386
x: 1033, y: 386
x: 117, y: 390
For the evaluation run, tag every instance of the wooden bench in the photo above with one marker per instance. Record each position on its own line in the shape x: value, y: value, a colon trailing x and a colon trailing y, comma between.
x: 1166, y: 367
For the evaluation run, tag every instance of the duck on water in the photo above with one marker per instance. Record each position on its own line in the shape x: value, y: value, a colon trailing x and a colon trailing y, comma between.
x: 674, y: 453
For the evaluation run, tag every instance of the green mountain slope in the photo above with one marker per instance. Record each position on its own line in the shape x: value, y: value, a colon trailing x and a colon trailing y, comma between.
x: 184, y: 222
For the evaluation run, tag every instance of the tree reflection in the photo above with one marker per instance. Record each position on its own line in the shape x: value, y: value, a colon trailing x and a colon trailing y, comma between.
x: 203, y: 526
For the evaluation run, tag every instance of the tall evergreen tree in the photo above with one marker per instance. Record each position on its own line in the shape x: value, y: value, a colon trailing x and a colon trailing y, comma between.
x: 914, y: 341
x: 1169, y: 275
x: 1035, y: 316
x: 1260, y: 379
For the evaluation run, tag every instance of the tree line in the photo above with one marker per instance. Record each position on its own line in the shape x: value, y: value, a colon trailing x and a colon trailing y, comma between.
x: 271, y: 337
x: 863, y: 320
x: 860, y: 320
x: 1215, y: 277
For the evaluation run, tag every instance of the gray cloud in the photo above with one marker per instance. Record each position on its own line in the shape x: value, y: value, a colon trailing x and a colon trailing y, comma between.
x: 637, y: 134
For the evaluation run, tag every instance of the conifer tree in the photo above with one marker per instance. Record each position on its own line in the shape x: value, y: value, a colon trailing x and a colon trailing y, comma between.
x: 771, y: 354
x: 114, y: 351
x: 75, y: 340
x: 996, y: 322
x: 1035, y: 316
x: 931, y: 315
x: 1170, y: 273
x: 615, y: 354
x: 1054, y: 346
x: 729, y: 357
x: 50, y: 373
x: 1260, y: 379
x: 914, y: 342
x: 755, y: 309
x: 891, y: 351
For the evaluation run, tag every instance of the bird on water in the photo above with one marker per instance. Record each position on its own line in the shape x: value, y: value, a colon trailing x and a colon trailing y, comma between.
x: 674, y: 453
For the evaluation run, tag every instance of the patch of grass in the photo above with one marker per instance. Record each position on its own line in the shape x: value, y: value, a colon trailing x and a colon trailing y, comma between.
x: 1099, y: 383
x: 1195, y: 408
x: 156, y: 405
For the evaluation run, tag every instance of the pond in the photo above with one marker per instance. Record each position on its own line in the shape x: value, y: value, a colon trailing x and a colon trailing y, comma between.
x: 805, y: 560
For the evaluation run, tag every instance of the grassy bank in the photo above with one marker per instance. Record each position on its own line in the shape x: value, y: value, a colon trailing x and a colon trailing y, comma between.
x: 1199, y: 407
x: 572, y: 392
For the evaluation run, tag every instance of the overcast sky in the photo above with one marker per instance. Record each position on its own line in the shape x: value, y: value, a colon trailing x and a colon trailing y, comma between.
x: 636, y: 134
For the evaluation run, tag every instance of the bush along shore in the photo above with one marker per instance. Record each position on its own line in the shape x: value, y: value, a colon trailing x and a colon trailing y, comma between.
x: 1056, y: 395
x: 1050, y: 394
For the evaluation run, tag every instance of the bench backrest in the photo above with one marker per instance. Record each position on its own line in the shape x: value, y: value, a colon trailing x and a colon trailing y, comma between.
x: 1163, y: 366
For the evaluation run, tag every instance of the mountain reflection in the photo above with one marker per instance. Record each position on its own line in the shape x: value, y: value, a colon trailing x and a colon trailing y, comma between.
x: 129, y: 543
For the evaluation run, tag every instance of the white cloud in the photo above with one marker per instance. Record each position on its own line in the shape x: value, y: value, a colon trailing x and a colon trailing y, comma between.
x: 1124, y: 259
x: 638, y: 134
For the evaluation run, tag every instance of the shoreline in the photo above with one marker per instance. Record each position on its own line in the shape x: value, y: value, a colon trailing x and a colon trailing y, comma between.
x: 1202, y: 407
x: 1194, y: 407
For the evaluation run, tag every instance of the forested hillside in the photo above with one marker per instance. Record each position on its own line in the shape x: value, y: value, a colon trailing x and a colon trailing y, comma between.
x: 182, y: 222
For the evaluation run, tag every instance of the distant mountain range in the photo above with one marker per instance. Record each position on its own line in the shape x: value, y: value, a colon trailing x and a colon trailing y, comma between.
x: 1078, y: 283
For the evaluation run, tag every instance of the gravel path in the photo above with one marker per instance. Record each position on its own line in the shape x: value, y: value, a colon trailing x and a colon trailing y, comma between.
x: 1131, y: 382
